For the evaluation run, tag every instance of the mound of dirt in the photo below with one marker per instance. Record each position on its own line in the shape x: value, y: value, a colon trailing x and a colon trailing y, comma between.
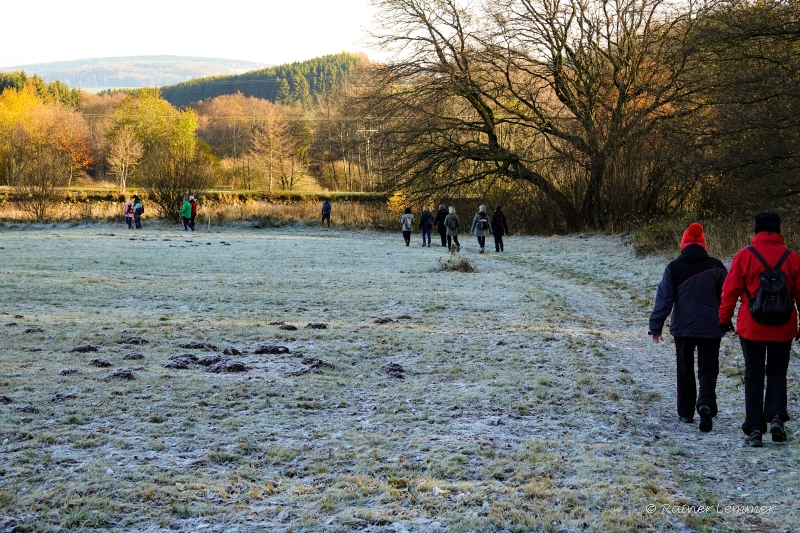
x: 68, y: 371
x: 120, y: 373
x: 270, y: 349
x: 61, y: 396
x: 226, y: 366
x: 84, y: 348
x: 395, y: 371
x: 132, y: 356
x: 138, y: 341
x: 317, y: 325
x: 199, y: 345
x: 100, y: 362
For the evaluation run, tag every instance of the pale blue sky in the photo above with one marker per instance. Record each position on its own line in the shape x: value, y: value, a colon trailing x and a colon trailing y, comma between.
x: 265, y: 31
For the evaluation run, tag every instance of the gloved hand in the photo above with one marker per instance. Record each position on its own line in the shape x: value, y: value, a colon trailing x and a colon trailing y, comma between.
x: 726, y: 327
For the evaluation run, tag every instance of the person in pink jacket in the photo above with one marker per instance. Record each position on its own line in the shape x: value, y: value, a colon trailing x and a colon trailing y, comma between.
x: 129, y: 214
x: 766, y: 276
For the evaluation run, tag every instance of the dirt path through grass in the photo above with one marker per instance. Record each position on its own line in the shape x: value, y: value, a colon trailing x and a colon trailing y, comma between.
x: 527, y: 395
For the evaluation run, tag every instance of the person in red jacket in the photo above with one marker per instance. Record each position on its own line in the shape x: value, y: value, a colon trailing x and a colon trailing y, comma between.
x: 766, y: 347
x: 194, y: 209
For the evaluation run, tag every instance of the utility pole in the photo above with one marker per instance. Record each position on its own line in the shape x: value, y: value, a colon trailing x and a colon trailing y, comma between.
x: 368, y: 155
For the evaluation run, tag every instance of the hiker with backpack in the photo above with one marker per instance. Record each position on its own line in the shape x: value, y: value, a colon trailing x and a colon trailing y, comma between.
x: 186, y: 215
x: 326, y: 213
x: 128, y: 213
x: 194, y: 209
x: 499, y: 228
x: 766, y: 276
x: 481, y: 227
x: 452, y: 224
x: 426, y: 225
x: 407, y: 221
x: 439, y: 223
x: 690, y: 291
x: 138, y: 211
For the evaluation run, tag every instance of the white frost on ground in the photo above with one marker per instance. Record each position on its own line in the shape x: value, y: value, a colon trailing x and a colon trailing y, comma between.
x: 532, y: 398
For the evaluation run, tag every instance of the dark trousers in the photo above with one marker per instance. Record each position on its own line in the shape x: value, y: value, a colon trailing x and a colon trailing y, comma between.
x: 454, y: 239
x: 443, y: 235
x: 482, y: 241
x: 498, y: 243
x: 326, y: 216
x: 187, y: 224
x: 770, y: 359
x: 707, y: 371
x: 137, y: 220
x: 194, y: 215
x: 129, y: 220
x: 407, y: 237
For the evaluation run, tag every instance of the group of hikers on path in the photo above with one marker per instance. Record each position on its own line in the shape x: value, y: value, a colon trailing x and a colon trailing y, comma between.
x: 700, y: 295
x: 188, y: 212
x: 134, y: 209
x: 448, y: 225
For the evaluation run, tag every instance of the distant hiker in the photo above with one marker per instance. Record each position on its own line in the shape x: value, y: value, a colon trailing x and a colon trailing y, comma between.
x: 194, y: 209
x: 452, y: 224
x: 138, y: 211
x: 186, y: 215
x: 326, y: 212
x: 481, y: 227
x: 407, y: 221
x: 439, y: 223
x: 426, y: 225
x: 129, y: 213
x: 499, y: 228
x: 767, y: 273
x: 691, y: 292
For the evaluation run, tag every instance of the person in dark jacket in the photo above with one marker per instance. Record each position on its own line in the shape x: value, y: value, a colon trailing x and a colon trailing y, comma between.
x: 766, y: 348
x: 426, y: 224
x: 499, y: 228
x: 326, y: 213
x: 691, y: 291
x: 439, y: 223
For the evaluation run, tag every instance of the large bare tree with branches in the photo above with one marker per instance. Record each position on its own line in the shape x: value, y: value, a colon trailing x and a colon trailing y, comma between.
x: 522, y: 89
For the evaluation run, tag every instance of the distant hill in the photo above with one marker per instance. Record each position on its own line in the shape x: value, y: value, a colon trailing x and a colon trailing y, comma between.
x: 273, y: 83
x: 134, y: 71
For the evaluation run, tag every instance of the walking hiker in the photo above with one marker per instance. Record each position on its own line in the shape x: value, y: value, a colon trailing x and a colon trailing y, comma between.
x: 407, y: 221
x: 499, y: 228
x: 426, y: 225
x: 452, y: 224
x: 481, y: 227
x: 691, y: 291
x: 194, y: 209
x: 186, y: 215
x: 766, y: 275
x: 138, y: 211
x: 129, y: 213
x: 326, y: 213
x: 439, y: 223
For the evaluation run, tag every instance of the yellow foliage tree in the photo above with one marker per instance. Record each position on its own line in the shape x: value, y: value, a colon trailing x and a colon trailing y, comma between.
x: 397, y: 203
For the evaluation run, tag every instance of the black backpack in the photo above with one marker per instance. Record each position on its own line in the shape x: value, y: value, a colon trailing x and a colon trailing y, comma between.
x: 771, y: 305
x: 483, y: 222
x: 453, y: 223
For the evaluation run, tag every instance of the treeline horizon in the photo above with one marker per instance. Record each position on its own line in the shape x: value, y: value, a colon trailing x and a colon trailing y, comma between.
x: 580, y: 115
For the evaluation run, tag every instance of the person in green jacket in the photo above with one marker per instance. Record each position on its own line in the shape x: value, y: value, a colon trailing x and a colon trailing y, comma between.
x: 186, y: 215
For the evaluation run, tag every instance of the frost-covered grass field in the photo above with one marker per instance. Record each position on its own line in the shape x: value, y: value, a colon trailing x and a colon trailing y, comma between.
x: 523, y: 397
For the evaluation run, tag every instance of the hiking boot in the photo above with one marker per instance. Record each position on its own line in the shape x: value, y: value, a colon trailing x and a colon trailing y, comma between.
x: 429, y: 245
x: 705, y: 418
x: 687, y: 419
x: 777, y: 430
x: 481, y: 251
x: 754, y: 440
x: 458, y: 248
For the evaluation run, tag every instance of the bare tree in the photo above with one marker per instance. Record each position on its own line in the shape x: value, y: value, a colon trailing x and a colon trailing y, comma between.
x: 520, y: 90
x: 271, y: 144
x: 42, y: 170
x: 124, y: 155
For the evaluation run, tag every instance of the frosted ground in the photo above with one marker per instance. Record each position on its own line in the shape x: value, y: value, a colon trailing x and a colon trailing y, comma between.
x: 527, y: 397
